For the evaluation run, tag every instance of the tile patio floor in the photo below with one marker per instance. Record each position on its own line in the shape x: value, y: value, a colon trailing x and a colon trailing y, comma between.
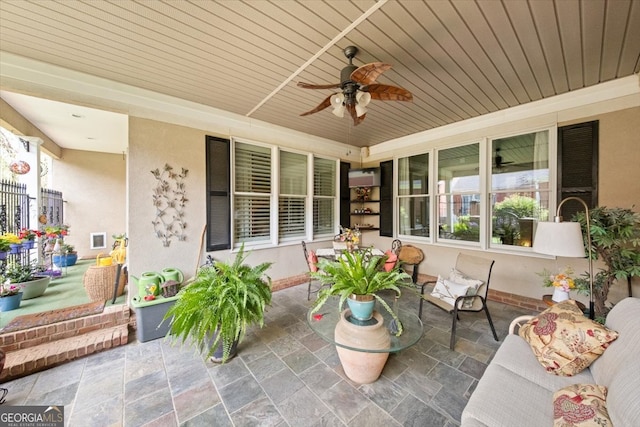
x: 284, y: 375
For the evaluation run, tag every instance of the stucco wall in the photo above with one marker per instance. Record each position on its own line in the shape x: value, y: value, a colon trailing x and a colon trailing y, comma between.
x: 152, y: 144
x: 93, y: 186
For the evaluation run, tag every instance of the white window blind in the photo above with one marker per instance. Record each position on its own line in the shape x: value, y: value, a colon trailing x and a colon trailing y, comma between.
x: 293, y: 192
x: 324, y: 196
x: 252, y: 199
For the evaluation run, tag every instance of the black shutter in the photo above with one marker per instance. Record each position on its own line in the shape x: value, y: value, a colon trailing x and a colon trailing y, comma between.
x: 218, y: 190
x: 386, y: 198
x: 578, y: 166
x: 345, y: 195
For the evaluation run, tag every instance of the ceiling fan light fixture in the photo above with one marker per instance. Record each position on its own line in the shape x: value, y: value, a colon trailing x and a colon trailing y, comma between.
x: 337, y: 101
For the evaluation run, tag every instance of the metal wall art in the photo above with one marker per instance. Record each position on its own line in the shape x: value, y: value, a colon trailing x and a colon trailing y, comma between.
x: 169, y: 198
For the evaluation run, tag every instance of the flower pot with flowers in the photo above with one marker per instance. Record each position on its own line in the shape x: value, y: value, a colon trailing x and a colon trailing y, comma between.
x: 10, y: 296
x: 562, y: 283
x: 28, y: 277
x: 28, y: 237
x: 55, y: 234
x: 15, y: 242
x: 4, y: 247
x: 348, y: 239
x: 67, y: 257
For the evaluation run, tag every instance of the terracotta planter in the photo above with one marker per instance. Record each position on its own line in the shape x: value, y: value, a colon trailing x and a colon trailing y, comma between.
x: 365, y: 366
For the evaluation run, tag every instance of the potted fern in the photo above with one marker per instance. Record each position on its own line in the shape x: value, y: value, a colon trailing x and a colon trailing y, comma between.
x: 215, y: 309
x: 359, y: 276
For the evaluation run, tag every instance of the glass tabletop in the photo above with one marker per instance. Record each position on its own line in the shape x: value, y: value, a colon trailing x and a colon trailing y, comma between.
x: 324, y: 323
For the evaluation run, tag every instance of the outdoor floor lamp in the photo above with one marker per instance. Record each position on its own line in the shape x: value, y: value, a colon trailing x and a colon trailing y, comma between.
x: 564, y: 239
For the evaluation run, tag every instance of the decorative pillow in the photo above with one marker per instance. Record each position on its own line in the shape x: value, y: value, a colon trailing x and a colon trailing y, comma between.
x: 312, y: 259
x: 448, y: 291
x: 458, y: 277
x: 564, y: 341
x: 391, y: 260
x: 581, y: 405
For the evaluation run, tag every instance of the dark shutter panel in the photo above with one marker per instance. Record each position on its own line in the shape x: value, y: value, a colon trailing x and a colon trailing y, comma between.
x: 218, y: 191
x: 345, y: 205
x: 386, y: 198
x: 578, y: 166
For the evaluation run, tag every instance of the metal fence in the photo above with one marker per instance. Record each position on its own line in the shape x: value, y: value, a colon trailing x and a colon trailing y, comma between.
x: 14, y: 207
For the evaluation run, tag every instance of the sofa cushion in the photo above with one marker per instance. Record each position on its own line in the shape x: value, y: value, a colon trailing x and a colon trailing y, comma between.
x: 581, y: 405
x: 564, y: 341
x: 503, y: 398
x: 618, y: 368
x: 515, y: 355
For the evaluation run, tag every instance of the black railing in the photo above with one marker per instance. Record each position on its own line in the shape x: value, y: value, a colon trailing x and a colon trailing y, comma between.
x: 52, y: 207
x: 14, y: 207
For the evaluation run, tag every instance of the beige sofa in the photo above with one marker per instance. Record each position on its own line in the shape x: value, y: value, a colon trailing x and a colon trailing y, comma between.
x: 515, y: 389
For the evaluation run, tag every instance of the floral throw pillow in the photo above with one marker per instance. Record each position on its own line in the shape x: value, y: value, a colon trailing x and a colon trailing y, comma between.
x: 581, y: 405
x: 448, y: 291
x: 564, y: 341
x: 313, y: 261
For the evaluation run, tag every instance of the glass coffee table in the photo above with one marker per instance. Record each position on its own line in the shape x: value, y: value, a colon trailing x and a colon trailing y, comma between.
x: 363, y: 362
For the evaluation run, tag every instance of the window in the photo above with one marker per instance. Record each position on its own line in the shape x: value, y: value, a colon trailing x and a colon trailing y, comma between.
x: 293, y: 192
x: 413, y: 195
x: 519, y: 187
x: 278, y: 196
x: 252, y: 193
x: 324, y: 196
x: 459, y: 193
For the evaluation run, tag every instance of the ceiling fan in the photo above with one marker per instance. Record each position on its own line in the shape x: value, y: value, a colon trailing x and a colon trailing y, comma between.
x: 359, y: 87
x: 498, y: 161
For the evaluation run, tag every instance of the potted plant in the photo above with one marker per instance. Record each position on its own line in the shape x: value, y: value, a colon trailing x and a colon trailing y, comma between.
x: 27, y: 237
x: 15, y: 243
x: 28, y: 277
x: 615, y: 240
x: 67, y: 256
x: 359, y: 276
x: 4, y: 247
x: 218, y: 305
x: 10, y: 296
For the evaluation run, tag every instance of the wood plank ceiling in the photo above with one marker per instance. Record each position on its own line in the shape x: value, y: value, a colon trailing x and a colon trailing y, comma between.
x: 460, y: 59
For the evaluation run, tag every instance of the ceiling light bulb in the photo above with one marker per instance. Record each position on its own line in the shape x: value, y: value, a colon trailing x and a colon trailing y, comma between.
x: 337, y: 100
x: 363, y: 98
x: 360, y: 110
x: 339, y: 111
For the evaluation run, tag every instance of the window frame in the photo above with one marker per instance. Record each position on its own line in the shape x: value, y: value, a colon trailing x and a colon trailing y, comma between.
x: 485, y: 209
x: 274, y: 239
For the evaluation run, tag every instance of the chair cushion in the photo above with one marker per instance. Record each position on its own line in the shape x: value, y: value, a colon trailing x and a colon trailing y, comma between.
x: 448, y: 291
x: 564, y: 341
x: 582, y: 405
x: 410, y: 255
x: 390, y: 261
x: 458, y: 277
x: 313, y: 261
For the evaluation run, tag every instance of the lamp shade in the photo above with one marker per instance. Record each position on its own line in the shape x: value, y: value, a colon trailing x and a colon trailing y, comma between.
x: 560, y: 239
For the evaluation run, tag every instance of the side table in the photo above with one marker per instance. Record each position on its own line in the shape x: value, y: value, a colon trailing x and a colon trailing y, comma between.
x: 547, y: 300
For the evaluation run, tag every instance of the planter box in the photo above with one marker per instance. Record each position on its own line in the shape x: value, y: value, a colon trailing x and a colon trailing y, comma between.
x: 149, y: 315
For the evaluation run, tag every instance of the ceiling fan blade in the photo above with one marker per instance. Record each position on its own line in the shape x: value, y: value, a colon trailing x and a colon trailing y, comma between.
x: 368, y: 73
x: 354, y: 114
x: 324, y: 104
x: 312, y: 86
x: 388, y: 93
